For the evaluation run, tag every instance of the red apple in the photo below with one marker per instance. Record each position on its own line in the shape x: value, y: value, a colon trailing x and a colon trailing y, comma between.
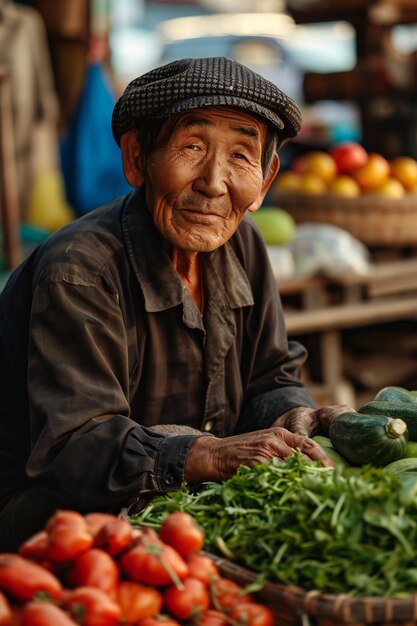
x: 348, y: 156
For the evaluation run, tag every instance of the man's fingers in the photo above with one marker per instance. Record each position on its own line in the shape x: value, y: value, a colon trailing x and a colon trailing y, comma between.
x: 284, y: 450
x: 308, y: 447
x: 315, y: 452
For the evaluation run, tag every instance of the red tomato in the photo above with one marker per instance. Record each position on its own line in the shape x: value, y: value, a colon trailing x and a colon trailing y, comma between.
x: 226, y: 592
x: 43, y: 613
x: 91, y: 607
x: 69, y: 536
x: 348, y: 155
x: 137, y: 601
x: 252, y: 614
x: 153, y: 563
x: 202, y: 567
x: 22, y: 578
x: 5, y: 611
x: 16, y: 613
x: 95, y: 568
x: 115, y: 536
x: 212, y: 617
x: 188, y: 602
x: 151, y: 536
x: 96, y: 521
x: 181, y: 531
x: 159, y: 620
x: 35, y: 547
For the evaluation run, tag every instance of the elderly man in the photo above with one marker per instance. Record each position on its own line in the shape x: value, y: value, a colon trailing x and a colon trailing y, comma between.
x: 144, y: 344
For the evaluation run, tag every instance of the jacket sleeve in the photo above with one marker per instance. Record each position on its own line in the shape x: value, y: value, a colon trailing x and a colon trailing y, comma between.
x: 87, y: 452
x: 273, y: 384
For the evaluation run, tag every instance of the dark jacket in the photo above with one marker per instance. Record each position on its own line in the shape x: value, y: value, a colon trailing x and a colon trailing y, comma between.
x: 100, y: 340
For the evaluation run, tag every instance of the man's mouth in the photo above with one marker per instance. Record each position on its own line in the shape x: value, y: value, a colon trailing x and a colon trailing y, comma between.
x: 202, y: 216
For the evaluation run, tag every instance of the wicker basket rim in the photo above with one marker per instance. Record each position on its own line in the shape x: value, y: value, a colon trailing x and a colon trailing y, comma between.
x: 365, y: 201
x: 348, y: 609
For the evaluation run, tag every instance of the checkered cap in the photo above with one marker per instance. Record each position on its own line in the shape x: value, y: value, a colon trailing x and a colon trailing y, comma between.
x: 195, y: 83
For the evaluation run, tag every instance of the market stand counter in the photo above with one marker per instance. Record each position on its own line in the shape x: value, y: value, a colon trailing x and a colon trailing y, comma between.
x: 325, y: 307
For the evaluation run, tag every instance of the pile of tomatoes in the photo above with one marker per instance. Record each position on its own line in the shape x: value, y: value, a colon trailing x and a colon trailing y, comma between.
x: 98, y: 570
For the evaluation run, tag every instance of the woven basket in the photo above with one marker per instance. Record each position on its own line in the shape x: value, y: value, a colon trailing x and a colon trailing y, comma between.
x: 290, y: 602
x: 374, y: 220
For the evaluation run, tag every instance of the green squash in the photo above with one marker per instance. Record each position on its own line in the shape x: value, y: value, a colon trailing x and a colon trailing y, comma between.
x: 326, y: 444
x: 322, y: 440
x: 406, y: 411
x: 410, y: 451
x: 401, y: 466
x: 396, y: 394
x: 368, y: 439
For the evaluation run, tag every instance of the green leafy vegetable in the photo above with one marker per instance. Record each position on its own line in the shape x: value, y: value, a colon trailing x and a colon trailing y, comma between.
x: 342, y: 530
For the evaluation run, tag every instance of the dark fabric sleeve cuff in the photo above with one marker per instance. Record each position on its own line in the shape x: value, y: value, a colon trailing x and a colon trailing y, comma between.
x: 263, y: 410
x: 170, y: 461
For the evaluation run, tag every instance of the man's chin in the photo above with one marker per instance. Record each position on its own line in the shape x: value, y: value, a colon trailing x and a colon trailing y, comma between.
x: 196, y: 243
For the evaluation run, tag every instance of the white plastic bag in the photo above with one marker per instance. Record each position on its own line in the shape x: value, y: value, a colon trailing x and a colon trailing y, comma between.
x: 328, y: 250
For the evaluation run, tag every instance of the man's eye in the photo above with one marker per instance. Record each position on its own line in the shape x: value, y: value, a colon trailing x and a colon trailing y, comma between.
x: 192, y: 146
x: 239, y: 155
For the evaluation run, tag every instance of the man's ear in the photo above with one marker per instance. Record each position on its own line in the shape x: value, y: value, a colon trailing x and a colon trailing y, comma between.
x: 131, y: 152
x: 273, y: 171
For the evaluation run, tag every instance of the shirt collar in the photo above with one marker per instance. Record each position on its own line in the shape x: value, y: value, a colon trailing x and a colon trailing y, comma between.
x: 161, y: 285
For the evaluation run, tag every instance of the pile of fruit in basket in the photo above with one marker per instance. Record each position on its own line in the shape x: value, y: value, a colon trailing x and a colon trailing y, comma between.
x: 348, y: 170
x: 97, y: 570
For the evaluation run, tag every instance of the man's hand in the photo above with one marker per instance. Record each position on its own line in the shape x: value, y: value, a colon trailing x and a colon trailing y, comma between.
x: 308, y: 422
x: 214, y: 459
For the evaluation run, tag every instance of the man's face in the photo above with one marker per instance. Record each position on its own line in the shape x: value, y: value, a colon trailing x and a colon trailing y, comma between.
x: 204, y: 174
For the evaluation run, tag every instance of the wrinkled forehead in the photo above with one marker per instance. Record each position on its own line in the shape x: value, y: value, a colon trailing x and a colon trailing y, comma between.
x: 237, y: 120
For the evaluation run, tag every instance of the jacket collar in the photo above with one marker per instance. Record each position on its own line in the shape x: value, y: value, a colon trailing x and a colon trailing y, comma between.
x: 161, y: 285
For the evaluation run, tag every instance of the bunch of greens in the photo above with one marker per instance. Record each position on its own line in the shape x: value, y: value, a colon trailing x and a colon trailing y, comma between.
x: 342, y: 530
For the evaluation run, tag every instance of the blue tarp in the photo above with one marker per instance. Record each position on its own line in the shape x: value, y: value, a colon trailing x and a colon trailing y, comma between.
x: 90, y: 158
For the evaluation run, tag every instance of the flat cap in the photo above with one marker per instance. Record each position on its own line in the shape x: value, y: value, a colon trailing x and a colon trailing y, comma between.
x: 194, y: 83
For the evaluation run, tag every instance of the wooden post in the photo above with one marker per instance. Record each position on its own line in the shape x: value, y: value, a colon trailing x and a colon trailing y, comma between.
x: 8, y: 177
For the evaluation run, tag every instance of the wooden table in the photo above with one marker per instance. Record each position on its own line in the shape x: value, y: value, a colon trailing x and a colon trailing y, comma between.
x: 330, y: 305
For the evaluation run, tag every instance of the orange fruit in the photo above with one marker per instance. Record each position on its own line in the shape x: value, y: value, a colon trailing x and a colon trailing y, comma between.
x: 312, y: 185
x: 287, y: 181
x: 390, y: 188
x: 318, y: 163
x: 344, y: 185
x: 373, y: 173
x: 404, y: 169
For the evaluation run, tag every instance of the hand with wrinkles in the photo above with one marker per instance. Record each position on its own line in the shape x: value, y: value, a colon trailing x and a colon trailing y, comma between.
x: 214, y: 459
x: 308, y: 422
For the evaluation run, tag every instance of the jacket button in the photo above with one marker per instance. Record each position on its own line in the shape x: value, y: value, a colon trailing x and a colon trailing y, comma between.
x: 169, y: 480
x: 208, y: 425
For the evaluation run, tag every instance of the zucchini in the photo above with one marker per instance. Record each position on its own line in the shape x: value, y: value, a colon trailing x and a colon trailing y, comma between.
x: 401, y: 466
x: 323, y: 441
x: 335, y: 456
x: 410, y: 451
x: 395, y: 394
x: 403, y: 410
x: 368, y: 439
x: 326, y: 444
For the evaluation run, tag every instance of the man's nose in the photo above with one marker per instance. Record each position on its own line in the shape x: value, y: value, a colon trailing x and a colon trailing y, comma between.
x: 212, y: 176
